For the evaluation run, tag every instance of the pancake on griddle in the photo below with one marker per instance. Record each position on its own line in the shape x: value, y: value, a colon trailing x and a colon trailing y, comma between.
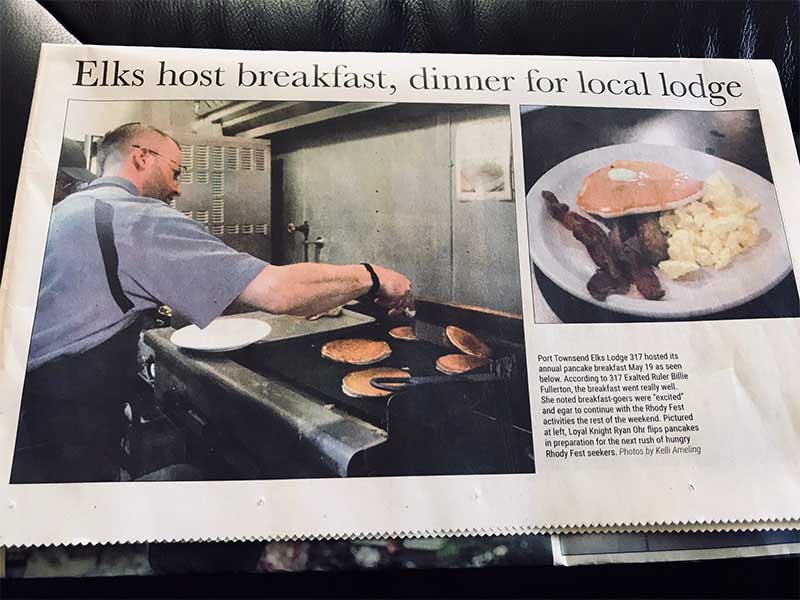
x: 334, y: 312
x: 467, y: 342
x: 356, y: 351
x: 403, y: 333
x: 357, y: 384
x: 456, y: 364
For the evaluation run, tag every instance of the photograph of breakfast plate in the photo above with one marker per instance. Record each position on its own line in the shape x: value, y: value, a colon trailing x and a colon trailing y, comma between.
x: 690, y: 171
x: 221, y: 335
x: 568, y: 263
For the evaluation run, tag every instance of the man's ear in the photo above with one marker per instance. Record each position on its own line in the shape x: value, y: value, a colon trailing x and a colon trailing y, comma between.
x: 137, y: 158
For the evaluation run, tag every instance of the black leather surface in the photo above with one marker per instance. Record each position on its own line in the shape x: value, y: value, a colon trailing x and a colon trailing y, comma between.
x: 710, y: 28
x: 707, y: 28
x: 24, y: 26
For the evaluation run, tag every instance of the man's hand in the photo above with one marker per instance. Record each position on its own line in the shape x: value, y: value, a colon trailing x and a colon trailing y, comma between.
x: 395, y: 292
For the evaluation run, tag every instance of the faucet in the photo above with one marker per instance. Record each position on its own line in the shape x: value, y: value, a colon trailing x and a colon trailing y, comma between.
x: 305, y: 229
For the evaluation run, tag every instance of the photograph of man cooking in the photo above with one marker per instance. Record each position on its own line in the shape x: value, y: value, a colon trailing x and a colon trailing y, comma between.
x: 231, y: 297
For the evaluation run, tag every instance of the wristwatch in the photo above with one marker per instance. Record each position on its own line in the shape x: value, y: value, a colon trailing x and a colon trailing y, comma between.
x: 376, y: 283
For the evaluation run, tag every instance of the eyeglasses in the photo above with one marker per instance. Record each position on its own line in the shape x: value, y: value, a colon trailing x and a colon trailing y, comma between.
x: 176, y: 171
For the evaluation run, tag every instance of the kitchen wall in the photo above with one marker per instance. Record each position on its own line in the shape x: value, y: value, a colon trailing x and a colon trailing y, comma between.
x: 379, y: 187
x: 96, y: 118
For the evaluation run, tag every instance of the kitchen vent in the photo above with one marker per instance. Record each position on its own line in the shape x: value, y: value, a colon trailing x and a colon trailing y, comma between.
x: 217, y: 184
x: 215, y: 168
x: 260, y: 159
x: 218, y: 211
x: 246, y: 159
x: 200, y: 158
x: 217, y: 158
x: 187, y: 161
x: 187, y: 155
x: 231, y: 158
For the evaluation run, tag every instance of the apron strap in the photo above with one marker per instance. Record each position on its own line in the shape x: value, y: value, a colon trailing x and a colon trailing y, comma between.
x: 103, y: 221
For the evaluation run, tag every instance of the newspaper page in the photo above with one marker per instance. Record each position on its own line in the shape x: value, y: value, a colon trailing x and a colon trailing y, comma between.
x: 607, y: 548
x: 265, y: 295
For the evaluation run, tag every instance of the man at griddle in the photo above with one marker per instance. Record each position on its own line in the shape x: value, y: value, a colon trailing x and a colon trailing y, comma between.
x: 115, y: 250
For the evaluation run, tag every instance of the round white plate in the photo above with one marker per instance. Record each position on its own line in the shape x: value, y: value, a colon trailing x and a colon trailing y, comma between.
x: 221, y: 335
x: 567, y: 263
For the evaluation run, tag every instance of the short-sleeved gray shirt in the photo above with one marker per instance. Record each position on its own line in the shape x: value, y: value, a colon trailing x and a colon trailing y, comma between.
x: 164, y: 258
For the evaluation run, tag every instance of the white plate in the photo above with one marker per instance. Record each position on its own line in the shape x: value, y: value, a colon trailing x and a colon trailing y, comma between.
x: 567, y: 263
x: 221, y: 335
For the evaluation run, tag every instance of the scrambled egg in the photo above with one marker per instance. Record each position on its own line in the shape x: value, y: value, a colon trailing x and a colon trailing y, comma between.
x: 709, y: 232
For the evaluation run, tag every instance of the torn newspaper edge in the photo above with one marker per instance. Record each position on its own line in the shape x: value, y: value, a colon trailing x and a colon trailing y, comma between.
x: 650, y: 197
x: 132, y: 559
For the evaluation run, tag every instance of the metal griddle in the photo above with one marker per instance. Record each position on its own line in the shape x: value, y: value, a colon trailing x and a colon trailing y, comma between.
x: 299, y: 362
x: 286, y: 327
x: 262, y: 410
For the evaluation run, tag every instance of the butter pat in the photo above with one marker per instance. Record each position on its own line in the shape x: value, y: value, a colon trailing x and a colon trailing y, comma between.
x: 622, y: 175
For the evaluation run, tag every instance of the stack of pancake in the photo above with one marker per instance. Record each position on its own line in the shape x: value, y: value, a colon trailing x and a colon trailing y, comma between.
x: 476, y: 353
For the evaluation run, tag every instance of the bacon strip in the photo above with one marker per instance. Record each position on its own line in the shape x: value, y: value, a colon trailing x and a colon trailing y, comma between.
x: 618, y: 254
x: 626, y: 246
x: 588, y: 233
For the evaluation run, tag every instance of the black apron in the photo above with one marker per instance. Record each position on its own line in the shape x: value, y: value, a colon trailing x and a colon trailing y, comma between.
x: 71, y: 419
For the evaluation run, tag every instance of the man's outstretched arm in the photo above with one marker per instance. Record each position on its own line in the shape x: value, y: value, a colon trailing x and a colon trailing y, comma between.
x: 311, y: 288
